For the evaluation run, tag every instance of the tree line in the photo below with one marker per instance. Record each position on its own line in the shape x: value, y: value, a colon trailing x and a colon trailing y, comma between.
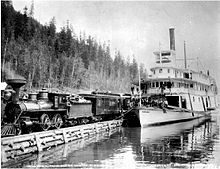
x: 48, y: 58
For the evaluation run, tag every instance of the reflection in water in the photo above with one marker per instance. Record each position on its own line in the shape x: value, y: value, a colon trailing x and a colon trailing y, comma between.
x: 188, y: 145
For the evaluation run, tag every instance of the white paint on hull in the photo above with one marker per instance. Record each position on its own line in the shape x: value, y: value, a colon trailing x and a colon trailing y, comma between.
x: 151, y: 116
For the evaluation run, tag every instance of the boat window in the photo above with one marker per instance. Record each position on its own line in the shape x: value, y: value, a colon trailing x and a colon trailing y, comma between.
x: 169, y: 85
x: 165, y: 83
x: 186, y: 75
x: 161, y: 84
x: 191, y: 85
x: 157, y: 84
x: 193, y: 99
x: 175, y: 73
x: 160, y: 70
x: 153, y: 84
x: 168, y: 70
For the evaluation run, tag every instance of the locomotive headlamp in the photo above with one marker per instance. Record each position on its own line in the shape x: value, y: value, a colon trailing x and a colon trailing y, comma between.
x: 8, y: 94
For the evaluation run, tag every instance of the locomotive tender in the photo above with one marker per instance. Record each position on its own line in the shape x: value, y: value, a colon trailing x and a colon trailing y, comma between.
x: 46, y: 110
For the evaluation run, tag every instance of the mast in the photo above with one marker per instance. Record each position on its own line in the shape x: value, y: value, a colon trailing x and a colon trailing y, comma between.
x: 185, y: 64
x: 160, y: 55
x: 139, y: 79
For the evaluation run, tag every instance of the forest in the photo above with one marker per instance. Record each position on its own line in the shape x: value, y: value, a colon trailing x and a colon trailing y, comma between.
x: 48, y: 58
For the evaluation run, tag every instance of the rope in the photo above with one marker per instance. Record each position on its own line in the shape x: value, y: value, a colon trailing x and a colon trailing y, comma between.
x: 124, y: 114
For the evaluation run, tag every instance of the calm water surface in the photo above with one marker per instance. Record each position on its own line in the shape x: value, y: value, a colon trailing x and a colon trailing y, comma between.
x: 182, y: 145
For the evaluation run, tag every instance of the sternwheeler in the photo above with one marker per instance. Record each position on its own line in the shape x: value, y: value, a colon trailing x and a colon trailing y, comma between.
x: 172, y: 94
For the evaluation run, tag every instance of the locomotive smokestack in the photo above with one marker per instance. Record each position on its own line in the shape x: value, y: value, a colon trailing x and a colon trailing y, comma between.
x: 172, y: 39
x: 16, y: 84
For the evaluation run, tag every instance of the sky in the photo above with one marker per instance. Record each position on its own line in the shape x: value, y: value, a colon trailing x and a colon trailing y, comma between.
x: 138, y: 27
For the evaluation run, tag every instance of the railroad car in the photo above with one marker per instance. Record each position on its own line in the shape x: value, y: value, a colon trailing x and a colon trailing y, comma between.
x: 107, y: 105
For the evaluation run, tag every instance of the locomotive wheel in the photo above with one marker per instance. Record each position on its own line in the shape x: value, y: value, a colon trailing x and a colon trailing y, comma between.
x: 74, y: 122
x: 57, y: 121
x: 45, y: 122
x: 84, y: 121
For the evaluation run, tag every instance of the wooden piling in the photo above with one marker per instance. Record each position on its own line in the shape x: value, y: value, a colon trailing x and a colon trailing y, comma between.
x: 38, y: 142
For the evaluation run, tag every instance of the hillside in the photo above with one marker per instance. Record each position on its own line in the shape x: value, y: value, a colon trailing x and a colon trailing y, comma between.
x: 47, y: 58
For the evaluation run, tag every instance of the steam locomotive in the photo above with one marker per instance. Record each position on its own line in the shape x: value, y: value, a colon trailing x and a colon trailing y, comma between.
x: 48, y: 110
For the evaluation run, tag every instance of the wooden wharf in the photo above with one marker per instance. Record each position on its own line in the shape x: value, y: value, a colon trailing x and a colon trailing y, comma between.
x: 13, y: 148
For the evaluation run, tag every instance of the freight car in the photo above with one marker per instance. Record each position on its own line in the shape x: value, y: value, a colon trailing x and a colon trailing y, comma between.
x: 46, y: 110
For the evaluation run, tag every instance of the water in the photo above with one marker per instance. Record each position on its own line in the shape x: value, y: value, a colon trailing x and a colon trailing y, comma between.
x: 182, y: 145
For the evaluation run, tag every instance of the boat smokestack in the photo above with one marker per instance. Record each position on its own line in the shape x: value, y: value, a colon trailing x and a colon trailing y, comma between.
x: 172, y: 39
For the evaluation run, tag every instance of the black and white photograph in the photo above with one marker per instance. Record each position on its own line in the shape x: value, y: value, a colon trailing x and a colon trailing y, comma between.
x: 110, y: 84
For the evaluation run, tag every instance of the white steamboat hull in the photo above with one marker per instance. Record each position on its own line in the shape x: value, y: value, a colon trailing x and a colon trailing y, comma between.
x: 143, y: 117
